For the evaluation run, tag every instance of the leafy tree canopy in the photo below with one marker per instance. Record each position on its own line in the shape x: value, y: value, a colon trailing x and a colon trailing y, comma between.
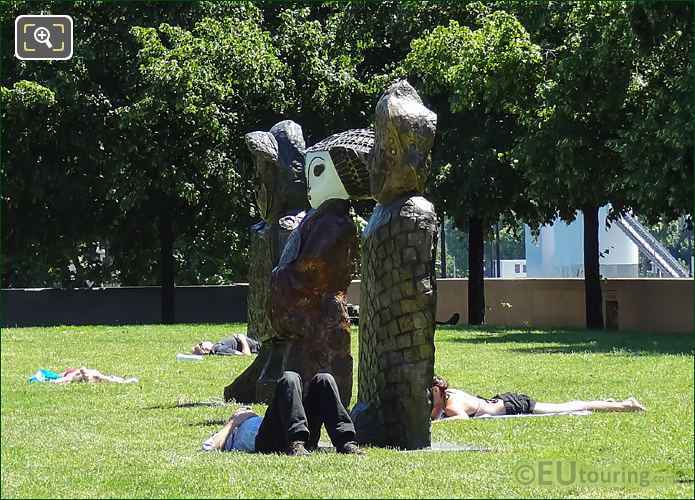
x: 477, y: 81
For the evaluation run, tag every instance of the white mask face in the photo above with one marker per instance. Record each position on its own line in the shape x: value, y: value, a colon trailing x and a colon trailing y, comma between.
x: 323, y: 182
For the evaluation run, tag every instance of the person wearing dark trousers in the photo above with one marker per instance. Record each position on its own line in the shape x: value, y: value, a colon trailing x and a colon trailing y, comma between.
x: 292, y: 422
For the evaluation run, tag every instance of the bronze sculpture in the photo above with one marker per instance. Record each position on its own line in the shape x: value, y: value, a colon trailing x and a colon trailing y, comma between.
x: 307, y: 302
x: 281, y: 199
x: 398, y: 290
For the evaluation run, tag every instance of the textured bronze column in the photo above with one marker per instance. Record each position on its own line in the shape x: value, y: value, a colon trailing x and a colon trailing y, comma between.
x: 398, y: 291
x: 281, y: 198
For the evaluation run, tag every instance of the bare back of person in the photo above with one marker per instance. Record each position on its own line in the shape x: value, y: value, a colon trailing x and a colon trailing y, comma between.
x: 460, y: 403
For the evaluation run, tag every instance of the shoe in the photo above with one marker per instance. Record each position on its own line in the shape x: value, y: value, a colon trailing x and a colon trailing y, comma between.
x: 297, y: 449
x: 350, y: 448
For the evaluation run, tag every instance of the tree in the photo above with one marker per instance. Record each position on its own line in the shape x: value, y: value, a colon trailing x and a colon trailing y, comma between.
x: 183, y: 156
x: 54, y: 204
x: 61, y: 180
x: 322, y: 88
x: 511, y: 246
x: 378, y: 35
x: 98, y: 95
x: 477, y: 81
x: 32, y: 203
x: 656, y: 148
x: 575, y: 154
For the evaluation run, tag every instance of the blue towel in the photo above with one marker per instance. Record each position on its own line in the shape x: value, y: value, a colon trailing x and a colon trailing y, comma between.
x: 43, y: 376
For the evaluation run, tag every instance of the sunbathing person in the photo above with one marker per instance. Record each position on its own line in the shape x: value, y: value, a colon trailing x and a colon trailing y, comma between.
x: 457, y: 404
x: 292, y: 423
x: 90, y: 375
x: 236, y: 345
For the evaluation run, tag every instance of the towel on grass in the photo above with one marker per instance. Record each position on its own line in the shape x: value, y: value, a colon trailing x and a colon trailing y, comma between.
x: 78, y: 375
x: 43, y: 376
x: 576, y: 413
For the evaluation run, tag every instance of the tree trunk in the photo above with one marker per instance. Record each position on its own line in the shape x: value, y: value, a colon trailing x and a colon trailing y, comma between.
x: 476, y: 264
x: 166, y: 261
x: 592, y: 279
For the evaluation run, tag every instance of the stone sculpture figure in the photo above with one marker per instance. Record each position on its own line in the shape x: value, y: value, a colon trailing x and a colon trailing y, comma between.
x: 281, y: 197
x: 307, y: 303
x: 398, y: 290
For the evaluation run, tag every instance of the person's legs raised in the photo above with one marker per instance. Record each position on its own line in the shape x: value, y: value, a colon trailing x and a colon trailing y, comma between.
x: 323, y: 406
x: 285, y: 421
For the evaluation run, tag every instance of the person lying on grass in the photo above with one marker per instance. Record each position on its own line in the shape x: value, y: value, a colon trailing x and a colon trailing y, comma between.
x: 90, y: 375
x: 457, y: 404
x: 292, y: 423
x: 235, y: 345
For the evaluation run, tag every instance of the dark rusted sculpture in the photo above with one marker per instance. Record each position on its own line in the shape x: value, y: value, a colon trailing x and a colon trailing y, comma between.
x: 281, y: 198
x: 398, y: 291
x: 307, y: 303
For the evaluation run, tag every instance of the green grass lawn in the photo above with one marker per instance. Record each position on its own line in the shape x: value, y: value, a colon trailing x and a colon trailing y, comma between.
x: 142, y: 440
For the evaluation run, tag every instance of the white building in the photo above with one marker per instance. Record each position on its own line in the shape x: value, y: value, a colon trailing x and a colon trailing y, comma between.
x: 559, y: 250
x: 512, y: 268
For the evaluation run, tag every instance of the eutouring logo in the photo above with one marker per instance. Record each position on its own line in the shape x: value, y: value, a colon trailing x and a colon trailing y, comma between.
x: 570, y: 473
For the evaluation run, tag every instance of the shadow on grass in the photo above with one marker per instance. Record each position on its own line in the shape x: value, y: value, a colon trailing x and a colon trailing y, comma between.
x: 208, y: 423
x: 192, y: 404
x: 571, y: 341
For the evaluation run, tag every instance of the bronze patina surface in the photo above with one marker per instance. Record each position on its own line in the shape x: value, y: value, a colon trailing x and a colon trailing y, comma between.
x: 398, y: 290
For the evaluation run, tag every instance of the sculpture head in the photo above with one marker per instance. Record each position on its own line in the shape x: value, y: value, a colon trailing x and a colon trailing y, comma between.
x: 404, y: 133
x: 279, y: 169
x: 337, y: 167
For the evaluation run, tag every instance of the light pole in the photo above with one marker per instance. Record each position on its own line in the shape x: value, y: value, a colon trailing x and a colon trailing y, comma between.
x: 690, y: 252
x: 497, y: 247
x: 443, y: 247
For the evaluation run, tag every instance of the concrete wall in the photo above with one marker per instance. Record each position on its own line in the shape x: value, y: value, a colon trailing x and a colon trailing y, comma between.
x: 656, y: 304
x: 121, y: 306
x: 653, y: 304
x: 659, y: 304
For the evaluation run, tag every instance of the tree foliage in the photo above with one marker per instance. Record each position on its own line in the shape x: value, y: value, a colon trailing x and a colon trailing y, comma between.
x: 567, y: 154
x: 598, y: 105
x: 657, y: 147
x: 477, y: 81
x: 59, y: 202
x: 544, y: 108
x: 322, y: 86
x: 183, y: 146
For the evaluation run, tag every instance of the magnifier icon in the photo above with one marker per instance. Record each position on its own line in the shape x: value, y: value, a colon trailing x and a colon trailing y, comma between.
x: 42, y: 35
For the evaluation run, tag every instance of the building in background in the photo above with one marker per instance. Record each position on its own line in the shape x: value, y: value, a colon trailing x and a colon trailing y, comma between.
x: 512, y: 268
x: 558, y: 252
x: 509, y: 268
